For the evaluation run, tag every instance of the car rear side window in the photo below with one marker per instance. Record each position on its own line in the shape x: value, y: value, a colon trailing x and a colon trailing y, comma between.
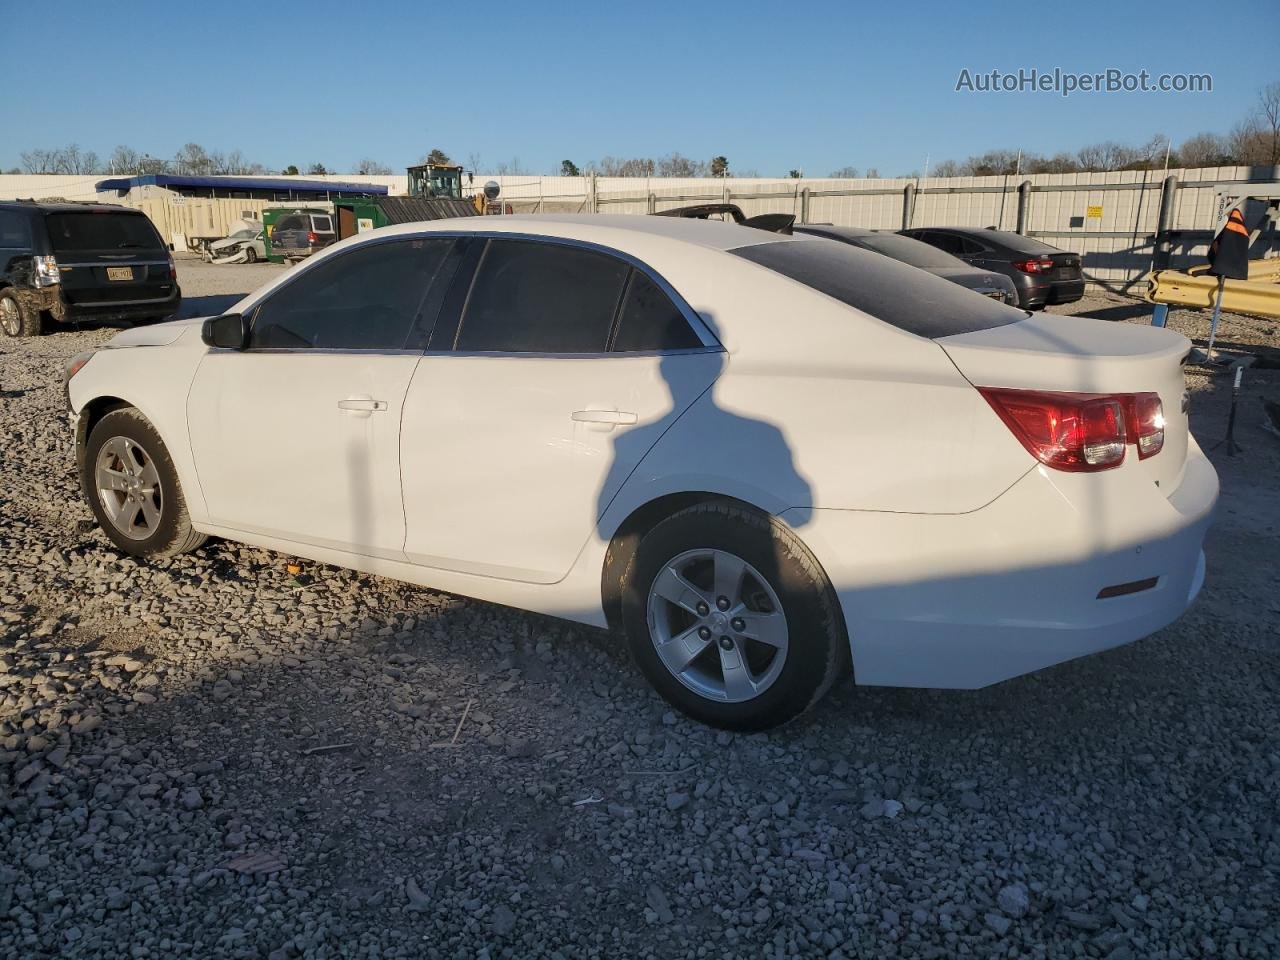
x: 649, y: 320
x: 899, y: 295
x: 534, y: 297
x: 78, y: 232
x: 322, y: 223
x: 370, y: 298
x: 15, y: 230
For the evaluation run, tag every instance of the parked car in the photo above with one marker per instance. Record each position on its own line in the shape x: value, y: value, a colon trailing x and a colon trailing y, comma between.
x: 246, y: 244
x: 297, y: 236
x: 74, y: 262
x: 759, y: 456
x: 1042, y: 274
x: 921, y: 255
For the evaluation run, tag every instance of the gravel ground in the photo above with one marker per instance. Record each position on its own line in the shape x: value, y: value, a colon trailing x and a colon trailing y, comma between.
x: 225, y: 756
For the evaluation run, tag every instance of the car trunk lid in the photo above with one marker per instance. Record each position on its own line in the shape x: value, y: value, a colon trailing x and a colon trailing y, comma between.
x: 1066, y: 266
x: 1083, y: 355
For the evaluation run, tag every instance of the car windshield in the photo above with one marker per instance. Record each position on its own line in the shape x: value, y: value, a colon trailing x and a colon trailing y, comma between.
x: 102, y: 231
x: 243, y: 235
x: 895, y: 293
x: 907, y: 250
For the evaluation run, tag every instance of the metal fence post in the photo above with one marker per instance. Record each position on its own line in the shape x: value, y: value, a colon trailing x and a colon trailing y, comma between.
x: 1024, y: 205
x: 591, y: 194
x: 1162, y: 249
x: 804, y: 204
x: 908, y: 204
x: 653, y: 202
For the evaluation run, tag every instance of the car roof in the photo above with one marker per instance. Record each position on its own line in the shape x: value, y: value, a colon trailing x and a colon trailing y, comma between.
x: 67, y: 206
x: 608, y: 229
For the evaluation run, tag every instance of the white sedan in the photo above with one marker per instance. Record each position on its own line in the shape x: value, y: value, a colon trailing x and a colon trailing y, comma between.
x: 762, y: 458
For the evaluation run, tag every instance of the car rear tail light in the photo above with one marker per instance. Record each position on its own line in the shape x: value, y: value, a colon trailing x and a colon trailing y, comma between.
x: 1146, y: 423
x: 1066, y: 431
x: 1080, y: 431
x: 46, y: 271
x: 313, y: 237
x: 173, y: 268
x: 1042, y: 265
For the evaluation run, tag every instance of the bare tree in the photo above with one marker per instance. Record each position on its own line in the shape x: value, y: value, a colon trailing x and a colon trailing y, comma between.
x: 1204, y: 150
x: 676, y: 164
x: 473, y: 161
x: 844, y: 173
x: 124, y: 160
x: 1269, y: 108
x: 372, y: 168
x: 873, y: 173
x: 193, y: 159
x: 947, y: 168
x: 511, y: 168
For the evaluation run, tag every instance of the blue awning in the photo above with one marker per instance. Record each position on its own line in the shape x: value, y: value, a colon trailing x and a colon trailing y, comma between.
x: 240, y: 183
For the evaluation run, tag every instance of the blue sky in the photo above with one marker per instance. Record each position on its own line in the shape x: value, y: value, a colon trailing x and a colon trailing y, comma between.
x: 770, y: 85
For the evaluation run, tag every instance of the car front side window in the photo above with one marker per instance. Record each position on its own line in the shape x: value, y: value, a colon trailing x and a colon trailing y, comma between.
x: 370, y: 298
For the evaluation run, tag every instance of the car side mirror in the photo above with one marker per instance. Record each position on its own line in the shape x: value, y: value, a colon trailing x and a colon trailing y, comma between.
x: 227, y: 332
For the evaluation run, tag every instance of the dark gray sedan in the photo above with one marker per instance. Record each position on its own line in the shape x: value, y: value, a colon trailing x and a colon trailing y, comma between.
x: 917, y: 254
x: 1042, y: 274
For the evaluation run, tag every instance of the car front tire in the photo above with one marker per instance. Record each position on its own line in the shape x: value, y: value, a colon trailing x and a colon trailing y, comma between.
x: 731, y: 618
x: 132, y: 487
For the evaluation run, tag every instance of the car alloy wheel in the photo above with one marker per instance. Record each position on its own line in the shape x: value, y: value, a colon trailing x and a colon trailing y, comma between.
x: 10, y: 318
x: 717, y: 625
x: 129, y: 488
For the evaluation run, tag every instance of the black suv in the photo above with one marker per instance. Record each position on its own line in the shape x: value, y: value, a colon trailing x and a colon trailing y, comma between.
x: 69, y: 262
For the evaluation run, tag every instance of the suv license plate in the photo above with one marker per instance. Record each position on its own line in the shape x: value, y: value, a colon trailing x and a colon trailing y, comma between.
x: 119, y: 273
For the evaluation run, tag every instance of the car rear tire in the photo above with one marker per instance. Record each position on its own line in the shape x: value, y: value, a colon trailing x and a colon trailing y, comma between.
x: 731, y: 618
x: 16, y: 320
x: 132, y: 487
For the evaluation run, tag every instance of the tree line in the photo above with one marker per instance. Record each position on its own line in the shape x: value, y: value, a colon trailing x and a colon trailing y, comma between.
x: 1253, y: 141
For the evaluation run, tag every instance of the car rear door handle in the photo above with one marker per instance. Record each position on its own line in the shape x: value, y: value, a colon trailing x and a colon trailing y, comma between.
x: 361, y: 406
x: 603, y: 420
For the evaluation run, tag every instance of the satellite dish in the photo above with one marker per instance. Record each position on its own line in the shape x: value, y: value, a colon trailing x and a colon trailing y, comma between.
x: 491, y: 190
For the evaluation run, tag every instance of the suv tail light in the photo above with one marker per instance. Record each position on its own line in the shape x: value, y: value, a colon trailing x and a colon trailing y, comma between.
x: 1041, y: 265
x: 173, y: 268
x: 46, y: 270
x: 313, y: 237
x: 1080, y: 432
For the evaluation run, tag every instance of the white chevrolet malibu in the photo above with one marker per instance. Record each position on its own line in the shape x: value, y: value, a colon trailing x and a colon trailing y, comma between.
x: 764, y: 459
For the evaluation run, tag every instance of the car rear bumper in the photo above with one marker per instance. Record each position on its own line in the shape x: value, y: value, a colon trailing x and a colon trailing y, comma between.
x: 967, y: 600
x: 296, y: 253
x: 1066, y: 291
x: 90, y: 310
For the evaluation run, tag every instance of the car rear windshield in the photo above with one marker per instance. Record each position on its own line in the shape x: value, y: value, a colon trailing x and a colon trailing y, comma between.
x: 893, y: 292
x: 70, y: 232
x: 1016, y: 241
x: 914, y: 252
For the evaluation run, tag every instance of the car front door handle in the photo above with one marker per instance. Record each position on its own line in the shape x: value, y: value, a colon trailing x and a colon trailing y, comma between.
x: 361, y: 406
x: 603, y: 420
